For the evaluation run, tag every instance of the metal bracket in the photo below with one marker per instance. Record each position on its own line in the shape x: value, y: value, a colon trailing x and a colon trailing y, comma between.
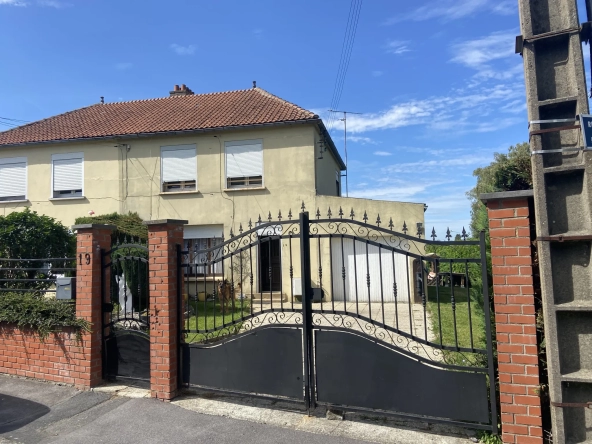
x: 564, y: 238
x: 572, y: 404
x: 560, y: 150
x: 519, y: 45
x: 538, y: 122
x: 554, y: 130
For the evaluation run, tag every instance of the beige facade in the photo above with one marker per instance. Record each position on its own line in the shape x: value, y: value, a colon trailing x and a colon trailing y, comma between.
x: 124, y: 175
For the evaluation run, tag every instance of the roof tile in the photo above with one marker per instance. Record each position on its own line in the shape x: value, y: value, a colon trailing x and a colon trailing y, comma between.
x: 178, y: 113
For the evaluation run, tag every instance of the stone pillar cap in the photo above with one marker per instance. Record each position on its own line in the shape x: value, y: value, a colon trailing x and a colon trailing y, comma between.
x: 485, y: 197
x: 94, y: 227
x: 166, y: 222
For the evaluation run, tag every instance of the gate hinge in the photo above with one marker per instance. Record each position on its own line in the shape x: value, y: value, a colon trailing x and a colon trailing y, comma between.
x: 572, y: 404
x: 107, y: 307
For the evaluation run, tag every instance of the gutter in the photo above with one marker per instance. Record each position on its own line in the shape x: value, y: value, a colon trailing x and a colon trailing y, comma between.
x: 315, y: 121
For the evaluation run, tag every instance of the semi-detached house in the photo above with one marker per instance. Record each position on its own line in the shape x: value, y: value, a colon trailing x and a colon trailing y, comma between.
x: 216, y: 160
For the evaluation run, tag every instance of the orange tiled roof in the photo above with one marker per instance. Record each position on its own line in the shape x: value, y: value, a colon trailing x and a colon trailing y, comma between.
x: 177, y: 113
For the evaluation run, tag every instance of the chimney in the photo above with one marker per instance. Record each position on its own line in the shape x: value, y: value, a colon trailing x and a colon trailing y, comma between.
x: 181, y: 91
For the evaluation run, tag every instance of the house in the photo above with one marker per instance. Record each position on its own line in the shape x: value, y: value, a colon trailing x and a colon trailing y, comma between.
x: 217, y: 160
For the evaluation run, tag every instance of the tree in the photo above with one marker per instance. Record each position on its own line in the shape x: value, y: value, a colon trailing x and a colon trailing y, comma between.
x: 508, y: 172
x: 28, y: 235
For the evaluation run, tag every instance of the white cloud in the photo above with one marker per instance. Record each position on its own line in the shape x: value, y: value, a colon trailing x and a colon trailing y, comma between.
x: 481, y: 52
x: 461, y: 111
x: 53, y: 4
x: 377, y: 73
x: 362, y: 140
x: 183, y: 50
x: 454, y: 9
x: 382, y: 153
x: 12, y: 3
x: 397, y: 47
x: 123, y: 66
x: 491, y: 56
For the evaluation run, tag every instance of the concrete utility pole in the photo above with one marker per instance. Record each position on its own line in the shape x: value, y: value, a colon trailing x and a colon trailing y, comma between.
x: 551, y: 45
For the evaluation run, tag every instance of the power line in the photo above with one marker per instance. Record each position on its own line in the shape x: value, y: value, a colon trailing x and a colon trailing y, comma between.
x: 14, y: 120
x: 346, y: 51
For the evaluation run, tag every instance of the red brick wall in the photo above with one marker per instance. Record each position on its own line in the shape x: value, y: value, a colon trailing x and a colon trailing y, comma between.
x: 511, y: 256
x: 163, y: 239
x: 60, y: 358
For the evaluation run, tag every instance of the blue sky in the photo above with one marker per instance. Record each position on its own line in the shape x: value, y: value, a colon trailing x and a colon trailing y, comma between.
x: 437, y: 81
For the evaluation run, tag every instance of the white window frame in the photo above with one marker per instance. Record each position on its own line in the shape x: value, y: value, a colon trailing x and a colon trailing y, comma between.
x: 13, y: 160
x: 246, y: 185
x: 184, y: 185
x: 200, y: 237
x: 67, y: 156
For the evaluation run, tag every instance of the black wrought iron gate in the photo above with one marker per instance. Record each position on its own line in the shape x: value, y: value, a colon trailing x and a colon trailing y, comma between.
x: 366, y: 319
x: 126, y: 339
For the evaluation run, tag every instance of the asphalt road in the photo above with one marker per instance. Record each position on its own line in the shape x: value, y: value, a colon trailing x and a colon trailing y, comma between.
x: 37, y: 412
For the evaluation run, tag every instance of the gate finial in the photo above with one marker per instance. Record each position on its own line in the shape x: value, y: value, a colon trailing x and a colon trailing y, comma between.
x: 365, y: 218
x: 290, y: 214
x: 378, y: 220
x: 405, y: 229
x: 433, y: 236
x: 303, y: 207
x: 318, y: 213
x: 391, y: 225
x: 352, y: 214
x: 448, y: 235
x: 269, y: 217
x: 329, y: 213
x: 340, y: 213
x: 280, y: 215
x: 464, y: 234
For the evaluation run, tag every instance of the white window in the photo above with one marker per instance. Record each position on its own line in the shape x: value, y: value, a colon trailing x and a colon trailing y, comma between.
x: 244, y: 164
x: 67, y: 176
x: 178, y: 168
x: 13, y: 179
x: 199, y: 241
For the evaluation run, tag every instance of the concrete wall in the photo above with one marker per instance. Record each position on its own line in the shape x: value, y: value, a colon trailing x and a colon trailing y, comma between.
x: 325, y: 169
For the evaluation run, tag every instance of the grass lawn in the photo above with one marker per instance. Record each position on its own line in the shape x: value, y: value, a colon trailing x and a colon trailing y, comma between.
x: 446, y: 316
x: 209, y: 316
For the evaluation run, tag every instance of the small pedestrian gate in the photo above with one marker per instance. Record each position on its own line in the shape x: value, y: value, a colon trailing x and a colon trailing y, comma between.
x: 363, y: 318
x: 126, y: 340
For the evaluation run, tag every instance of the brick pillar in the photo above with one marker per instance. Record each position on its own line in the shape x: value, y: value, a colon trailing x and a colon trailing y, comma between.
x: 90, y: 239
x: 163, y: 238
x: 515, y: 319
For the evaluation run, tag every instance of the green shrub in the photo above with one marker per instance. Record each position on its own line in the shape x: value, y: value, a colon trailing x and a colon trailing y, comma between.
x: 28, y: 235
x: 40, y: 314
x: 128, y: 225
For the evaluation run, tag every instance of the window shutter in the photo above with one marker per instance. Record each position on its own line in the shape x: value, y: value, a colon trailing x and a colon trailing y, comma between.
x: 179, y: 163
x: 244, y: 159
x: 13, y: 177
x: 67, y: 174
